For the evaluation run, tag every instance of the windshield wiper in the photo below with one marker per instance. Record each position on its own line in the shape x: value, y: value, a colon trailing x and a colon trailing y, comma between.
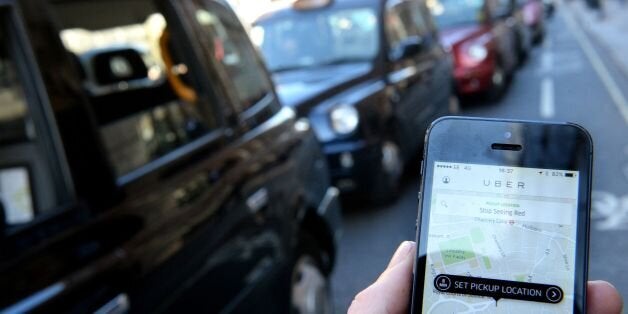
x: 324, y: 63
x: 290, y: 68
x: 343, y: 61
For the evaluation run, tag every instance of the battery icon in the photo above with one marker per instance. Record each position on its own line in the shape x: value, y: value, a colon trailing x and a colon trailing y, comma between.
x: 569, y: 175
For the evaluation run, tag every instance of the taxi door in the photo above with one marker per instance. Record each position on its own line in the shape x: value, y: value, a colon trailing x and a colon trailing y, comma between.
x: 247, y: 242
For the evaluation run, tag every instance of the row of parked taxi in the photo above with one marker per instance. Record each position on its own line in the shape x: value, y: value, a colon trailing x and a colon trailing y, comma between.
x: 150, y: 161
x: 371, y: 75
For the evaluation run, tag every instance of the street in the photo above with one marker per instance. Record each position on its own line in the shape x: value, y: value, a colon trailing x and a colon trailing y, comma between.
x: 569, y: 77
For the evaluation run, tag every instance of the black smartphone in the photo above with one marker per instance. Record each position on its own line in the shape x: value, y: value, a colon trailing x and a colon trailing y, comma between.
x: 503, y: 219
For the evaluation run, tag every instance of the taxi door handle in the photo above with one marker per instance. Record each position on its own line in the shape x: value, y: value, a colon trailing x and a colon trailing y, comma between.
x: 118, y: 305
x: 257, y: 201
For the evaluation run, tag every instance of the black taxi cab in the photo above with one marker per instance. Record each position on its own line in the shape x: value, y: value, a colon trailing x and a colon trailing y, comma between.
x: 146, y: 165
x: 370, y: 74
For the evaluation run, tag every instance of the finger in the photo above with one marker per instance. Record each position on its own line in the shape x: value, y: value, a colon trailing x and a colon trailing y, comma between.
x: 391, y: 292
x: 602, y: 297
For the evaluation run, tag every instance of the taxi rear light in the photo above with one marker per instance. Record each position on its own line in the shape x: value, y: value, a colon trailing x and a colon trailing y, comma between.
x: 310, y: 4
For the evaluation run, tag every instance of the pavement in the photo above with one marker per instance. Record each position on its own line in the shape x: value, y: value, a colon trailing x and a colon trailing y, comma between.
x: 610, y: 29
x: 572, y: 76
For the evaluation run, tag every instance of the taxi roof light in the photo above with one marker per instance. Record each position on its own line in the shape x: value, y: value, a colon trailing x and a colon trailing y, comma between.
x: 310, y: 4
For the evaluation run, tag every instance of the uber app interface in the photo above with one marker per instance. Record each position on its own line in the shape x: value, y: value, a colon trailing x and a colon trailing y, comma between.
x: 501, y: 240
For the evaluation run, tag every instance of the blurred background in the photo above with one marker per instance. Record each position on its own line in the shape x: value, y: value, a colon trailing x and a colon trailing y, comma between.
x: 576, y: 70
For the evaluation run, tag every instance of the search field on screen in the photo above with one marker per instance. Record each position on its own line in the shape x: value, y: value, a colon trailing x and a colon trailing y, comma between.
x: 553, y: 212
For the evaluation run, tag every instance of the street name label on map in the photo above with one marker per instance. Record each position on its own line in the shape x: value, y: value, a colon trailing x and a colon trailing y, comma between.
x: 498, y: 289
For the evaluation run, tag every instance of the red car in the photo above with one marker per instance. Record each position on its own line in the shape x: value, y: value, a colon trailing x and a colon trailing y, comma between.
x: 482, y: 42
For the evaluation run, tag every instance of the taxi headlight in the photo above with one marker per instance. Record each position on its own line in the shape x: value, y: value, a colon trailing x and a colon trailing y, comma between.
x: 344, y: 119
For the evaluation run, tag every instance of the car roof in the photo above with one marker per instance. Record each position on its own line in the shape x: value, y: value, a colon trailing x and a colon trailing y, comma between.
x: 287, y: 9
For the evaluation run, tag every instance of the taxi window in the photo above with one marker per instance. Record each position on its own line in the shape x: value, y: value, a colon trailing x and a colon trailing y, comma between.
x: 420, y: 22
x: 429, y: 19
x: 13, y: 110
x: 231, y: 47
x: 33, y: 183
x: 400, y: 24
x: 16, y: 202
x: 137, y: 82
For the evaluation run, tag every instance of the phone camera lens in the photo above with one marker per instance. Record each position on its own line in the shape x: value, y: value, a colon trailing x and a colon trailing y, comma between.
x: 507, y: 135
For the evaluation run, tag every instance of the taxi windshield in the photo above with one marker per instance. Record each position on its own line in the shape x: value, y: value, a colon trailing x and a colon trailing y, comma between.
x: 318, y: 38
x: 448, y: 13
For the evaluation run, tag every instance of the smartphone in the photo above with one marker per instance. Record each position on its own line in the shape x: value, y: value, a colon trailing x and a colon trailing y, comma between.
x: 503, y: 219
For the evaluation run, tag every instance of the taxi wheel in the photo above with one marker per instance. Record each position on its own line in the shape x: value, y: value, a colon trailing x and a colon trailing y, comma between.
x: 309, y: 287
x: 390, y: 171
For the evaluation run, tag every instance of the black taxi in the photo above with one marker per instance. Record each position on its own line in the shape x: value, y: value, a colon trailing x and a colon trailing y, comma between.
x: 370, y: 74
x: 146, y: 165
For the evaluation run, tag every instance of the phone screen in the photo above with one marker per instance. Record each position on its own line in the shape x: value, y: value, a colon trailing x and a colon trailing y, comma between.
x: 500, y: 239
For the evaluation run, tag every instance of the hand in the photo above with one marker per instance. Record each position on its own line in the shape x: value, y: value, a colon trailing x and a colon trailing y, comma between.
x: 390, y: 293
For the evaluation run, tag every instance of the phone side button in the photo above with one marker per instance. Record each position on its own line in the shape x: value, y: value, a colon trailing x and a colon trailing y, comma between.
x: 416, y: 224
x: 421, y: 169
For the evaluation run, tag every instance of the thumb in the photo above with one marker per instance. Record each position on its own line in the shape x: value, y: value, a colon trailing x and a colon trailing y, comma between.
x: 391, y: 292
x: 602, y: 297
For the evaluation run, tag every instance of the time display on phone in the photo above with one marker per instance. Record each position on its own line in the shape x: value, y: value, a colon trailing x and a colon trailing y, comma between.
x: 500, y: 240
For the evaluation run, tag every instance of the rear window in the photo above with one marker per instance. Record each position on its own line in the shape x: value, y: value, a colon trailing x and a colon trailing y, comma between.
x: 450, y: 13
x: 233, y: 52
x: 342, y: 35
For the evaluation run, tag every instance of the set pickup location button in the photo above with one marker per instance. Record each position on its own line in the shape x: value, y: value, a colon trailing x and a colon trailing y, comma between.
x: 498, y: 289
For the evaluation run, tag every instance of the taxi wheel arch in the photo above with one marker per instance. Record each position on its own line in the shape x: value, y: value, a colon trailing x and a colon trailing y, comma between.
x: 314, y: 229
x: 390, y: 169
x: 310, y: 283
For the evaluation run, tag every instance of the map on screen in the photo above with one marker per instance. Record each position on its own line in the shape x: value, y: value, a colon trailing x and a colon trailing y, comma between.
x: 500, y: 240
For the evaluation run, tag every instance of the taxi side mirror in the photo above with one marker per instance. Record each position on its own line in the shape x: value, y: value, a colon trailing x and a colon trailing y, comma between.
x: 407, y: 48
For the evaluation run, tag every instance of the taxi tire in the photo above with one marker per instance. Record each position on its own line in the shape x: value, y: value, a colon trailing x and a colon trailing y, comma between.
x: 309, y: 284
x: 387, y: 182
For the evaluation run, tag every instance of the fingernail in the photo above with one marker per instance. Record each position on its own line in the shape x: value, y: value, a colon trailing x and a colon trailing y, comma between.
x: 404, y: 249
x: 606, y: 283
